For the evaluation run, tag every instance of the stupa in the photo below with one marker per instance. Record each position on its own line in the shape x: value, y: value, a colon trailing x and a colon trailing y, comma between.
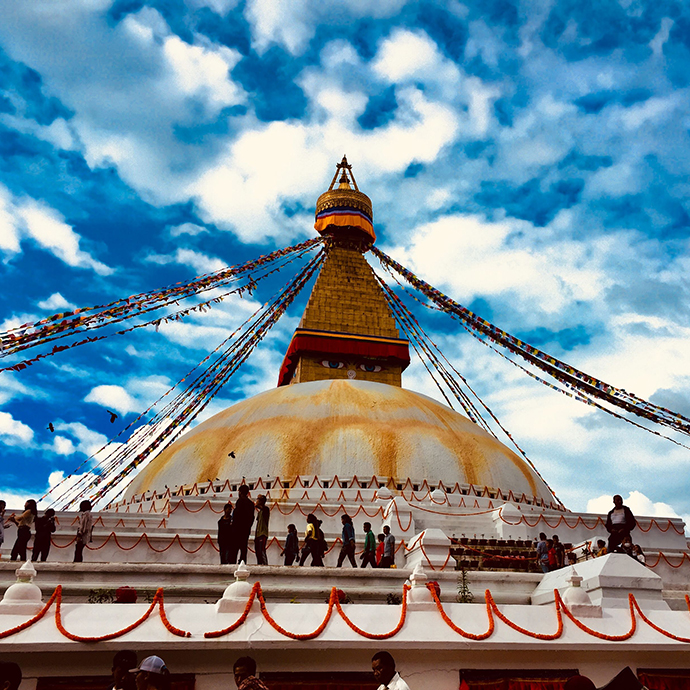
x: 340, y: 434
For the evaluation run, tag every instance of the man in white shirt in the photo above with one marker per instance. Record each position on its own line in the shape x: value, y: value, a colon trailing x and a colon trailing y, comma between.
x: 383, y: 666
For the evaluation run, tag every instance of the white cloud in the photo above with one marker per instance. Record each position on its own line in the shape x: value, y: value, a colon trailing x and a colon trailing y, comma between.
x: 186, y: 229
x: 112, y: 397
x: 88, y: 440
x: 25, y: 218
x: 201, y: 263
x: 56, y: 301
x: 63, y: 446
x: 639, y: 504
x: 13, y: 432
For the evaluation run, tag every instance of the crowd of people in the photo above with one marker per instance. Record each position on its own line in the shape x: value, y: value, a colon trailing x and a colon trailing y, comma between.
x: 620, y: 522
x: 235, y: 527
x: 153, y: 674
x: 44, y: 526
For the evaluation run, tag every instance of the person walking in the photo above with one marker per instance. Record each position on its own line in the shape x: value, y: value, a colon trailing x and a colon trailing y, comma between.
x: 225, y: 534
x: 313, y: 542
x: 263, y: 515
x: 23, y: 522
x: 242, y: 520
x: 560, y: 551
x: 291, y: 549
x: 383, y: 666
x: 379, y: 549
x: 45, y: 526
x: 348, y: 545
x: 543, y: 553
x: 123, y: 662
x: 388, y: 560
x: 84, y: 530
x: 619, y: 523
x: 369, y: 553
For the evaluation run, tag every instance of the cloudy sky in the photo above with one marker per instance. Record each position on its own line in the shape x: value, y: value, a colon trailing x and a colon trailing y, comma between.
x: 529, y: 158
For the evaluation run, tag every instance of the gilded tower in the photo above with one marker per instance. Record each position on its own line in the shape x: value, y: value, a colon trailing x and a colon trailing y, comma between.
x: 347, y: 330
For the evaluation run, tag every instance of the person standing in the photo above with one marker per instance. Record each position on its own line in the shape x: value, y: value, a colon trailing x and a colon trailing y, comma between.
x: 560, y: 551
x: 619, y: 523
x: 388, y: 560
x: 242, y: 520
x: 244, y: 670
x: 348, y: 546
x: 369, y: 553
x: 291, y: 550
x: 23, y: 522
x: 2, y: 522
x: 383, y: 666
x: 379, y: 549
x: 225, y: 534
x: 45, y: 526
x: 543, y: 553
x: 84, y: 530
x: 263, y: 515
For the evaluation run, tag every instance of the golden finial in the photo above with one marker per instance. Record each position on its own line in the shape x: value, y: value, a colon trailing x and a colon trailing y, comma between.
x: 343, y: 210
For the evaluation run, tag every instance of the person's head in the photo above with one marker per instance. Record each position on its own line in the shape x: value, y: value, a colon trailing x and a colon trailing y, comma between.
x: 367, y: 526
x: 243, y: 668
x: 579, y: 683
x: 618, y: 501
x: 292, y: 528
x: 260, y: 501
x: 123, y: 662
x: 31, y: 505
x: 227, y: 509
x: 386, y: 530
x: 555, y: 539
x: 627, y: 540
x: 84, y: 506
x: 152, y: 673
x: 549, y: 543
x: 10, y: 675
x: 345, y: 519
x: 383, y: 666
x: 381, y: 537
x: 50, y: 513
x: 572, y: 558
x: 637, y: 549
x: 542, y: 536
x: 311, y: 518
x: 601, y: 543
x: 243, y: 490
x: 3, y: 505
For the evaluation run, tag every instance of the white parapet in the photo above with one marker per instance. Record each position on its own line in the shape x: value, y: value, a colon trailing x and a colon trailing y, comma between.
x: 607, y: 580
x: 430, y: 549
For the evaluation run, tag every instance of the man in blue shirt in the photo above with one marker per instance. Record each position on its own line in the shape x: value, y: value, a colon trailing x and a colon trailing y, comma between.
x: 348, y: 547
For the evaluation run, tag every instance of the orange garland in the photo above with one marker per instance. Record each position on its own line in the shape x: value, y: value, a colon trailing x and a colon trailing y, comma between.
x: 602, y: 636
x: 455, y: 628
x: 539, y: 636
x: 375, y: 636
x: 31, y: 621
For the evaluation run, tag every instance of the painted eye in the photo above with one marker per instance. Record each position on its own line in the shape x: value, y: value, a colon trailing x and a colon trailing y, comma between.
x: 370, y: 367
x: 332, y: 364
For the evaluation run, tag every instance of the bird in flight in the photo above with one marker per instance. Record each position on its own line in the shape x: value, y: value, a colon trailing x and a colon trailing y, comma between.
x: 51, y: 427
x: 113, y: 416
x: 231, y: 454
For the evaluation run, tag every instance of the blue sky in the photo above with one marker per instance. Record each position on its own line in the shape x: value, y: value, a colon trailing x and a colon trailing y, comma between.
x: 530, y: 159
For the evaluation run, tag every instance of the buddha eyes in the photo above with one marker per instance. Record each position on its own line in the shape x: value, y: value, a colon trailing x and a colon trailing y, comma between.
x: 335, y: 364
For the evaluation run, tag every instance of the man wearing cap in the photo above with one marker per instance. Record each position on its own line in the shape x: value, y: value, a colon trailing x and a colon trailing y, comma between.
x: 152, y: 674
x: 244, y: 671
x: 123, y: 661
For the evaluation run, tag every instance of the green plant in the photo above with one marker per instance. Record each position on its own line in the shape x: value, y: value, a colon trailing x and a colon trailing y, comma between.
x: 465, y: 595
x: 101, y: 596
x: 393, y: 599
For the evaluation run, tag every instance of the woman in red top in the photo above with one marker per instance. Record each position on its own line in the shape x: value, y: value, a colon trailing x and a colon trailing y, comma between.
x: 553, y: 556
x: 379, y: 549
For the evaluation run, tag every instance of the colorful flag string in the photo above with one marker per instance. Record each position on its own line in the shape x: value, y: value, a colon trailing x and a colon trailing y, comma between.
x: 588, y: 388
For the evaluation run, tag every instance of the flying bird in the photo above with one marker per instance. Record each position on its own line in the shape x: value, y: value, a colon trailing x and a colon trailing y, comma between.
x: 113, y: 416
x: 51, y: 427
x: 231, y: 454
